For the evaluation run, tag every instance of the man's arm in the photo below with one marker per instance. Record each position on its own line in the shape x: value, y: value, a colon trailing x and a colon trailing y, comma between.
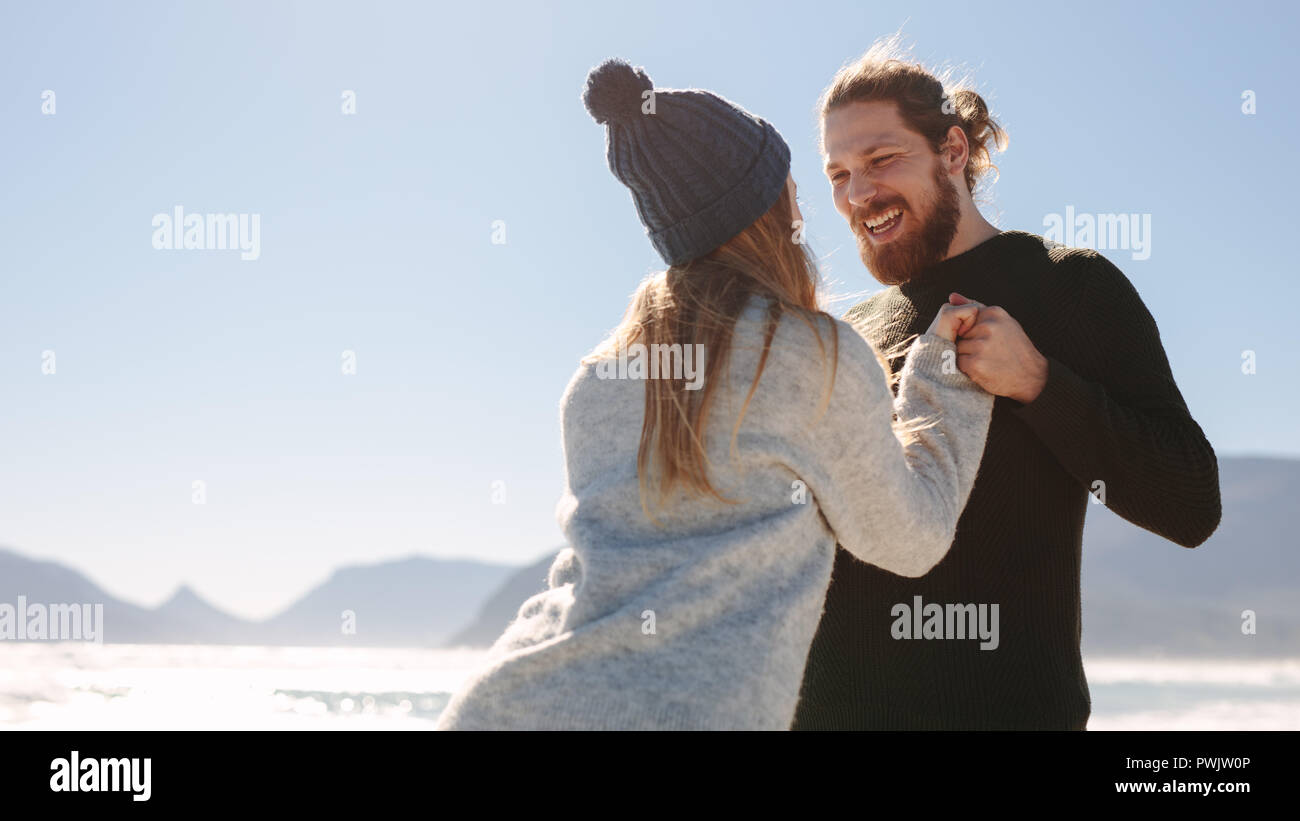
x: 1129, y: 429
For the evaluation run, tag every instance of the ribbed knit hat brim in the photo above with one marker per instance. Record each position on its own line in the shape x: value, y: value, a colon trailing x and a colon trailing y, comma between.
x: 695, y: 235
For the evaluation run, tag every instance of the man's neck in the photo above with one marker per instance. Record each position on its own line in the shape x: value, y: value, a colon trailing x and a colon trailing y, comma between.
x: 972, y: 229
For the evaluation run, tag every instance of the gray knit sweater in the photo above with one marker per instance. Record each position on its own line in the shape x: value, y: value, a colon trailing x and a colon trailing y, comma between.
x: 705, y: 621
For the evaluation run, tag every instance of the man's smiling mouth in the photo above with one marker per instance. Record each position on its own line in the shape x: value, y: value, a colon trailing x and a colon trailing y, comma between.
x: 884, y: 224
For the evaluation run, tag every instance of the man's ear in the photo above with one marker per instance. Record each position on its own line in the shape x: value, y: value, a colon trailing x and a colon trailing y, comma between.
x: 955, y: 150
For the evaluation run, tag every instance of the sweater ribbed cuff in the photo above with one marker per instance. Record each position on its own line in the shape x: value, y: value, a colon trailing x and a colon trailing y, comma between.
x: 929, y: 357
x: 1055, y: 411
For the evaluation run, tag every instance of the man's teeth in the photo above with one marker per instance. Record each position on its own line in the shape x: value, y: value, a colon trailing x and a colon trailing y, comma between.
x: 883, y: 218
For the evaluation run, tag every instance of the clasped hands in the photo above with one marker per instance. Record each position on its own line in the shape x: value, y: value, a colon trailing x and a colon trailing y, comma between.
x: 992, y: 348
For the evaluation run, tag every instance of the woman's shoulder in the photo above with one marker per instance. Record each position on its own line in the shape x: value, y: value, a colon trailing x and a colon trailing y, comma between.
x: 804, y: 338
x: 604, y: 388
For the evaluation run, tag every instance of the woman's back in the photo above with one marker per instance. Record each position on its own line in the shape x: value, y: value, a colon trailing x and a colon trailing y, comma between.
x: 704, y: 619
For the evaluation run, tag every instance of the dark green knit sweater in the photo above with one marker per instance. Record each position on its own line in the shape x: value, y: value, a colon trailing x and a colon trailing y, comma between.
x: 1110, y: 411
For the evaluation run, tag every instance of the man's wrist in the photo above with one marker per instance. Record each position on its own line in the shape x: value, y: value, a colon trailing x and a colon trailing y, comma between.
x: 1036, y: 385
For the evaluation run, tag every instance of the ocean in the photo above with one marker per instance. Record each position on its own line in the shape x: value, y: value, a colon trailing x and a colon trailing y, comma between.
x: 78, y: 686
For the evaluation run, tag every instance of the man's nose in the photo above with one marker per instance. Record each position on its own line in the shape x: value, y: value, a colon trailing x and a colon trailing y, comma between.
x: 861, y: 190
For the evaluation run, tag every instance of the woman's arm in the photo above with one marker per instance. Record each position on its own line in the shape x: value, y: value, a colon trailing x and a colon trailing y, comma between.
x: 893, y: 500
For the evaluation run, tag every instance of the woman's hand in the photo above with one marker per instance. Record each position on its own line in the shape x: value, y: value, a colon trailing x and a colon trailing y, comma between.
x: 955, y: 318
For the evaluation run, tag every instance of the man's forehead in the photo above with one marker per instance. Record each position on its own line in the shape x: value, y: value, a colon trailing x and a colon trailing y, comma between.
x: 859, y: 128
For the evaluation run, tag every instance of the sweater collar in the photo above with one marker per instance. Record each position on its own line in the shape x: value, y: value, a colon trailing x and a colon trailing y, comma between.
x: 952, y: 273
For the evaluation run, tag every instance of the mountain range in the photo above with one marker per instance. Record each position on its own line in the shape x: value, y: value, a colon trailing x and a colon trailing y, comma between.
x: 413, y: 602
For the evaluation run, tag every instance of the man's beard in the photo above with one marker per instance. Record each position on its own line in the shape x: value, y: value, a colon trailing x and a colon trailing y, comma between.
x: 906, y: 258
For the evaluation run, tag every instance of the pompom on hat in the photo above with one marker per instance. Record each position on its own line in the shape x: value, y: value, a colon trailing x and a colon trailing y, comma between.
x: 615, y: 92
x: 701, y: 169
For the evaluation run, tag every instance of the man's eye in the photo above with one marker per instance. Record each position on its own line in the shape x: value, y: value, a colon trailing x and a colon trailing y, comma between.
x: 838, y: 178
x: 883, y: 160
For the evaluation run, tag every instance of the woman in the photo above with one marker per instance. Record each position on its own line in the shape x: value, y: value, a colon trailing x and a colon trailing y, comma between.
x: 702, y: 510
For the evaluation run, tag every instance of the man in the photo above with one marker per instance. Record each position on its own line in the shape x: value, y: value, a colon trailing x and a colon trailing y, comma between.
x: 1086, y: 403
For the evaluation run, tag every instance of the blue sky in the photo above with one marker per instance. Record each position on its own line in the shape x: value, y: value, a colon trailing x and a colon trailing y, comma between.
x: 376, y: 229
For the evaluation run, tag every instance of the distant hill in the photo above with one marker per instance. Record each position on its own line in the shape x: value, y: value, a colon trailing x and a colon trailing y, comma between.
x: 416, y: 602
x: 1141, y: 594
x: 502, y: 606
x: 50, y: 582
x: 1144, y: 594
x: 203, y: 623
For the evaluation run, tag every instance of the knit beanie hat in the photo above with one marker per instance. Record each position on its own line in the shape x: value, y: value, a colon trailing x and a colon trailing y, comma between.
x: 701, y: 169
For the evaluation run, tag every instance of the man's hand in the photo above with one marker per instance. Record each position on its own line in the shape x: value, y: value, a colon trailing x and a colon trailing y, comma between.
x: 998, y: 357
